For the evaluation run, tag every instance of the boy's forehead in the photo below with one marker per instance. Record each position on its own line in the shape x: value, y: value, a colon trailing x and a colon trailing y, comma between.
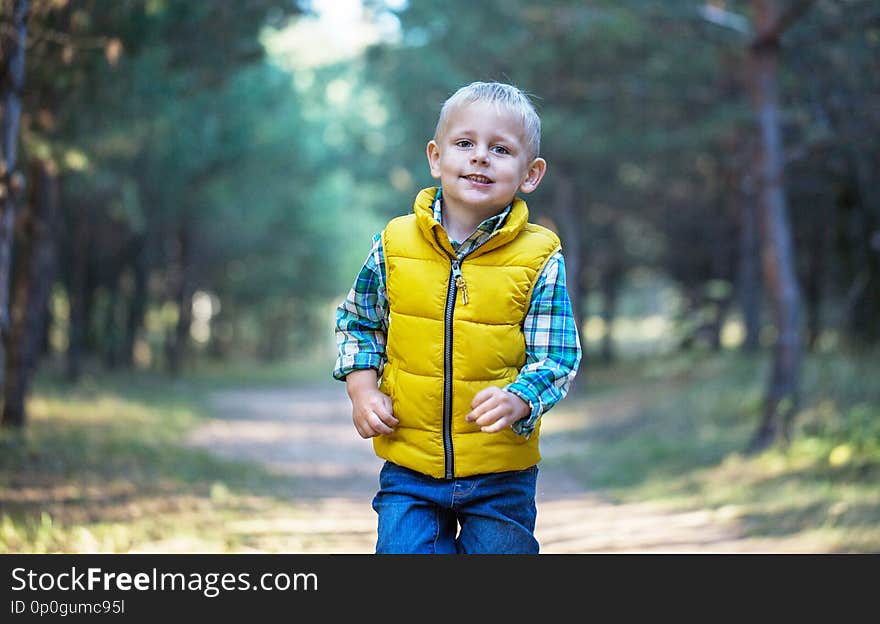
x: 478, y: 115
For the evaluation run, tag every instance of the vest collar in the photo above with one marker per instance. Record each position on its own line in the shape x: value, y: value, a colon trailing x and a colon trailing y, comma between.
x: 436, y: 235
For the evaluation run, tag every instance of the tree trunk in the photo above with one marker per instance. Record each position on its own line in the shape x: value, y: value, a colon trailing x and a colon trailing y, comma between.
x: 111, y: 326
x: 610, y: 290
x: 715, y: 324
x: 813, y: 287
x: 274, y: 343
x: 32, y: 283
x: 13, y: 50
x: 749, y: 272
x: 717, y: 300
x: 782, y: 398
x: 176, y: 347
x: 137, y: 307
x: 78, y: 291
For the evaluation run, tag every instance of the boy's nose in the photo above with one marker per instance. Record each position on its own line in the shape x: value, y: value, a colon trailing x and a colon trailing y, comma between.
x: 480, y: 155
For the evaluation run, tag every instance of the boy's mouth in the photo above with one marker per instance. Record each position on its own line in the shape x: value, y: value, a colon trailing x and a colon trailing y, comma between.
x: 479, y: 179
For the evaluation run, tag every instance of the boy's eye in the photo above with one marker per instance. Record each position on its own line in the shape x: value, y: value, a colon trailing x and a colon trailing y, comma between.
x: 463, y: 143
x: 500, y: 149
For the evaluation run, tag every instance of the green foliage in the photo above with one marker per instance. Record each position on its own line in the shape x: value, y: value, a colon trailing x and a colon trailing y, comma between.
x: 172, y: 117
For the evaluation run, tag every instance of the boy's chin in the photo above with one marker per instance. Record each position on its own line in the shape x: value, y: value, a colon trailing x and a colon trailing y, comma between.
x: 485, y: 197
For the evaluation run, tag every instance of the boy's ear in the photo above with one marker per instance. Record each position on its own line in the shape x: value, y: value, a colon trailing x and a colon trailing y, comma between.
x: 433, y: 153
x: 534, y: 174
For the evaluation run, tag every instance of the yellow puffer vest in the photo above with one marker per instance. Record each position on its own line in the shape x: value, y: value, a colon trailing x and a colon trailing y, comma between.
x: 442, y: 349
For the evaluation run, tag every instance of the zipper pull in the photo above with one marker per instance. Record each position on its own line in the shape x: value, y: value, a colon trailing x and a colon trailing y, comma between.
x: 459, y: 281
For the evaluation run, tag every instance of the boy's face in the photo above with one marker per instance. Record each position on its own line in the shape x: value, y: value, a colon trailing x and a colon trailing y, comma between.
x: 482, y: 159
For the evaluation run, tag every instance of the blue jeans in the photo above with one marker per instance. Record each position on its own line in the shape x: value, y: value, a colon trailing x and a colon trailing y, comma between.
x: 419, y: 514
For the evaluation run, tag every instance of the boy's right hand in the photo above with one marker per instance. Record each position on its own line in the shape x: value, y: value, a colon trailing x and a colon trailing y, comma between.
x: 371, y: 408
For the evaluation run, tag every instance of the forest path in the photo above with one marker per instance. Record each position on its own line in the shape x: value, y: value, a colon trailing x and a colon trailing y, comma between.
x: 306, y: 433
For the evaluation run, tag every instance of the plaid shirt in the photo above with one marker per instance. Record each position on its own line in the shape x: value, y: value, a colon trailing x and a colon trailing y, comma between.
x: 553, y: 349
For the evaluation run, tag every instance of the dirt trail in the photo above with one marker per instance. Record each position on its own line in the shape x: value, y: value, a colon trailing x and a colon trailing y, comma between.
x: 307, y: 433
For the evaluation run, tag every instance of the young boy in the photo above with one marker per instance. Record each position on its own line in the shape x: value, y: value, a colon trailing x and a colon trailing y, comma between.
x: 461, y: 309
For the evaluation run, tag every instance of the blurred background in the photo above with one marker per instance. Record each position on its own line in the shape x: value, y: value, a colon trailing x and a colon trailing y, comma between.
x: 189, y: 189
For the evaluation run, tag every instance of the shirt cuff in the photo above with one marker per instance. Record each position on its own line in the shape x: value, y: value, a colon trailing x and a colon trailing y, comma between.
x: 526, y: 426
x: 362, y: 361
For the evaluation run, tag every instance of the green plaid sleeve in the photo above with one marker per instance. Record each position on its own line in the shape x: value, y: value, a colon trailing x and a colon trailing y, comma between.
x: 362, y: 319
x: 553, y: 349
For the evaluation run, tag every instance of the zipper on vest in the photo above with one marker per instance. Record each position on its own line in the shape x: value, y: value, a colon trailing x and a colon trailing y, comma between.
x: 456, y: 281
x: 459, y: 281
x: 451, y: 293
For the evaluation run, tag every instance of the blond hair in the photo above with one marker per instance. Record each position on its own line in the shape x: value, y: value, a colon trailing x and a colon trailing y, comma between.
x: 504, y: 96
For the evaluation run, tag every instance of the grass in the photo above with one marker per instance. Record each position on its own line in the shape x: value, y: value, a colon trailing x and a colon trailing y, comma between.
x: 682, y: 441
x: 102, y: 468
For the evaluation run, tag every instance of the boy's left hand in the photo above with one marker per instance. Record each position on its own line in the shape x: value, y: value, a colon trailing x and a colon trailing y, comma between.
x: 494, y: 409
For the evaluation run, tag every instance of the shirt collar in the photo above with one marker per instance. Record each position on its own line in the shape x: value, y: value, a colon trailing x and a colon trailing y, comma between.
x: 489, y: 226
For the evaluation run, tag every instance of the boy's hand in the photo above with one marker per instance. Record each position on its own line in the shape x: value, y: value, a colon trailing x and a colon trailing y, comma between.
x: 371, y: 413
x: 494, y: 409
x: 370, y: 408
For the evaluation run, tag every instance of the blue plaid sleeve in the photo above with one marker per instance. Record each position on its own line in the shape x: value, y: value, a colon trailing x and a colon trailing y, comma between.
x: 553, y: 349
x: 362, y: 319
